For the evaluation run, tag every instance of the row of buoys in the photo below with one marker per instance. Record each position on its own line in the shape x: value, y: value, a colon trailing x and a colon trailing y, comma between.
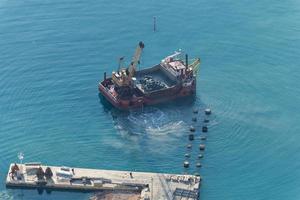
x: 204, y: 130
x: 191, y: 137
x: 186, y: 164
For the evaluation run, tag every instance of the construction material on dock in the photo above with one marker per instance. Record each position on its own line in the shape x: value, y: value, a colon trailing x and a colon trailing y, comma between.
x: 149, y: 186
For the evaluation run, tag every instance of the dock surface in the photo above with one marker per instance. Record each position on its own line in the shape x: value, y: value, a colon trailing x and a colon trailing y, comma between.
x: 148, y: 186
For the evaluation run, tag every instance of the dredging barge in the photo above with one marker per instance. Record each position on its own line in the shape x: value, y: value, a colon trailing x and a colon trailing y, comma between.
x: 145, y: 186
x: 130, y: 88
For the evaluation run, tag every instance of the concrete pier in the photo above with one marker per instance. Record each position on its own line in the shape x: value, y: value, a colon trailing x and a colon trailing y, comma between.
x: 148, y: 186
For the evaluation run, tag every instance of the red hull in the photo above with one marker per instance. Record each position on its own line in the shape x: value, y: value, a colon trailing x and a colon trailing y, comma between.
x: 136, y: 102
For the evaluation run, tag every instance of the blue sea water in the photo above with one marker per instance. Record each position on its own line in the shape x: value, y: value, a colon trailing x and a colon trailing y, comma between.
x: 54, y: 52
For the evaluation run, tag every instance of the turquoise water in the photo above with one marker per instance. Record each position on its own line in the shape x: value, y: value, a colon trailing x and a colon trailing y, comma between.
x: 53, y: 53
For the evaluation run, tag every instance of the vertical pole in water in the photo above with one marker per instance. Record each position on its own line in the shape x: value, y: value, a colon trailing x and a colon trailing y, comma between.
x: 154, y: 23
x: 104, y: 75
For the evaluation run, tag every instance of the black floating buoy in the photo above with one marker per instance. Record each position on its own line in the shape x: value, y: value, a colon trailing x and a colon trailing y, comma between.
x: 202, y: 147
x: 186, y: 164
x: 192, y: 129
x: 207, y: 111
x: 197, y: 174
x: 200, y: 156
x: 191, y: 136
x: 204, y: 129
x: 187, y: 155
x: 194, y: 119
x: 203, y: 137
x: 206, y: 120
x: 189, y: 146
x: 198, y: 165
x: 195, y: 111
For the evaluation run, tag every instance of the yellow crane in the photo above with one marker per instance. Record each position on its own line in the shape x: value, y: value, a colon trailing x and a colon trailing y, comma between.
x: 135, y: 59
x: 123, y: 77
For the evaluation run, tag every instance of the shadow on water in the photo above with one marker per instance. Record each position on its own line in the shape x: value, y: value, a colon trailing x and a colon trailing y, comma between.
x: 163, y: 119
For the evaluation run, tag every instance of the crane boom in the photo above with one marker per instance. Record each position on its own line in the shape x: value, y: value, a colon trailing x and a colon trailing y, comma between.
x: 135, y: 59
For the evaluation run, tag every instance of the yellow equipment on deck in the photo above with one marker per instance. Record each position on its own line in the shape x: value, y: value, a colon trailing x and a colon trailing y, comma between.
x: 194, y: 66
x: 123, y: 77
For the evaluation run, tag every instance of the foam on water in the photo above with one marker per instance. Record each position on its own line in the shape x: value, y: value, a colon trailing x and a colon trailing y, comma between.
x: 150, y: 121
x: 5, y: 195
x: 171, y: 129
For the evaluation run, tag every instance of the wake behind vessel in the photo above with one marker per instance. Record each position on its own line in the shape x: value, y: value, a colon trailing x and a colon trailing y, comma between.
x: 130, y: 88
